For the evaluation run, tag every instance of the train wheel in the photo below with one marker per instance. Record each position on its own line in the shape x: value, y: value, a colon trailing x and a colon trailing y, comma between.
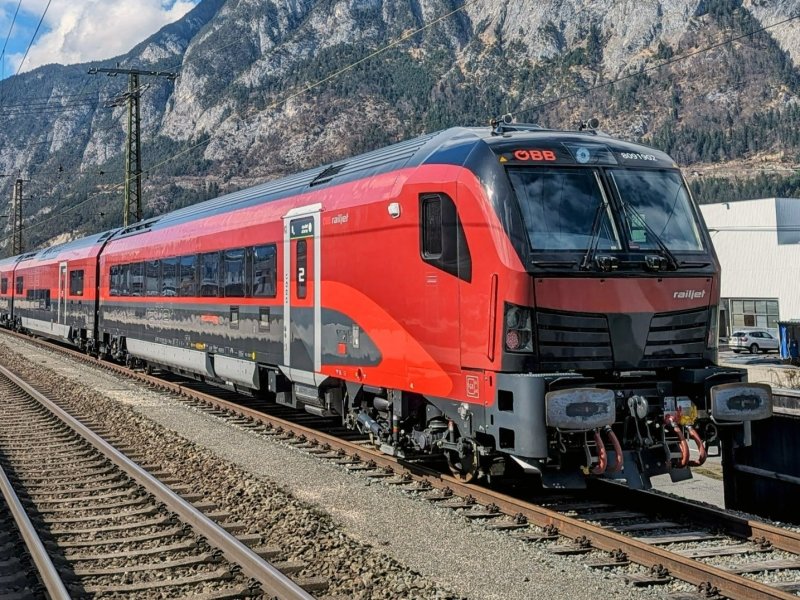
x: 464, y: 463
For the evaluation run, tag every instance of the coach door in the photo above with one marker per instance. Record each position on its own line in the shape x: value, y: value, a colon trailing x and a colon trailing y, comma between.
x: 62, y: 293
x: 302, y: 329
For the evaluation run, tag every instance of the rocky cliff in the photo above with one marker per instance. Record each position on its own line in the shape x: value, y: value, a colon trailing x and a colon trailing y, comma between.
x: 246, y: 106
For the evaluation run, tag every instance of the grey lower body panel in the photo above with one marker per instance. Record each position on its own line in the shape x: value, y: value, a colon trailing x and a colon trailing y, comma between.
x: 517, y: 418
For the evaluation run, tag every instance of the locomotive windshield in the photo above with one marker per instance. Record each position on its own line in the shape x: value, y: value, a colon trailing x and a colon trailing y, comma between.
x: 560, y: 206
x: 659, y: 199
x: 569, y: 209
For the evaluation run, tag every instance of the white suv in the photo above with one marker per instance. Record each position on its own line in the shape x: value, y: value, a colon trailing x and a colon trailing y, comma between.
x: 754, y: 341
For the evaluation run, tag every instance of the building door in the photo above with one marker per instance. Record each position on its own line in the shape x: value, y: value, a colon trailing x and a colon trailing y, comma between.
x: 302, y: 331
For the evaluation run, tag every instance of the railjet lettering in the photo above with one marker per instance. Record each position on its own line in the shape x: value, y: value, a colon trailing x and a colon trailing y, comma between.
x: 689, y: 294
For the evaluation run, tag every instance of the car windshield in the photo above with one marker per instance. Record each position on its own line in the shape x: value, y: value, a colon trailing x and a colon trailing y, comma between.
x: 739, y: 334
x: 560, y: 207
x: 658, y: 205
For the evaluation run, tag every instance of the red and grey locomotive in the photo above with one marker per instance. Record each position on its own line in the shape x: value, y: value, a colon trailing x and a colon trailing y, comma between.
x: 514, y: 299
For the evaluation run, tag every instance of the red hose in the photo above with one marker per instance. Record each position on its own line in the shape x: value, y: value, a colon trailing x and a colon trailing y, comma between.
x: 618, y: 459
x: 602, y: 456
x: 701, y: 448
x: 684, y: 445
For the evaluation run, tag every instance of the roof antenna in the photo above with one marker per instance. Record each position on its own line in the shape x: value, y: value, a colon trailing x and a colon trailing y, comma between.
x: 590, y: 124
x: 497, y: 123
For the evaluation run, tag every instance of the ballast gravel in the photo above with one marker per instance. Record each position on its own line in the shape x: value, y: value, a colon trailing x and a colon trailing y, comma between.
x: 369, y: 539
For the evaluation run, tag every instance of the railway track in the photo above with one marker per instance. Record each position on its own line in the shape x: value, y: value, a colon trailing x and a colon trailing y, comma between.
x: 18, y: 579
x: 96, y: 523
x: 614, y: 533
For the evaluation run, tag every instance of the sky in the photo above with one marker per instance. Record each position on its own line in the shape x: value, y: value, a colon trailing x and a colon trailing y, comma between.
x: 76, y: 31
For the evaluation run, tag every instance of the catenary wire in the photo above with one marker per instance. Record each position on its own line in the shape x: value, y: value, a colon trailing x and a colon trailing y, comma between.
x: 35, y: 33
x: 405, y: 37
x: 5, y: 44
x: 271, y: 106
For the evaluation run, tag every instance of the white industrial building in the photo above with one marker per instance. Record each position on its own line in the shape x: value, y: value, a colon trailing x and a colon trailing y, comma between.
x: 758, y: 245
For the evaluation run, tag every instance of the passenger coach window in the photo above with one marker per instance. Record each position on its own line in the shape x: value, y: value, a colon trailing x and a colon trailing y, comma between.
x: 124, y: 280
x: 169, y: 277
x: 265, y: 276
x: 114, y: 281
x: 4, y: 285
x: 76, y: 283
x: 233, y: 274
x: 209, y: 274
x: 152, y: 272
x: 188, y: 279
x: 136, y: 280
x: 19, y: 285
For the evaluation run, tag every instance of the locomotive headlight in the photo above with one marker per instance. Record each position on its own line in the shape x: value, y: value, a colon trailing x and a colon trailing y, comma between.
x: 519, y: 328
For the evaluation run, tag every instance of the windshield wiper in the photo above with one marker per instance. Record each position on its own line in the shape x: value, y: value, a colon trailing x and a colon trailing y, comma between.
x: 654, y: 263
x: 594, y: 236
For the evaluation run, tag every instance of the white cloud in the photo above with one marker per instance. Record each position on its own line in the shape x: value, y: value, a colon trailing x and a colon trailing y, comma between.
x: 76, y: 31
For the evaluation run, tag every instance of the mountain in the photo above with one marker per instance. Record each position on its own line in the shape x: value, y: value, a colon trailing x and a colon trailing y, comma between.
x: 270, y: 87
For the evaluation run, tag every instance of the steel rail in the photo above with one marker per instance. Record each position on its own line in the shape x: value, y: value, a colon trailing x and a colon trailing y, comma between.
x: 782, y: 539
x: 692, y: 571
x: 47, y: 571
x: 272, y: 580
x: 731, y: 585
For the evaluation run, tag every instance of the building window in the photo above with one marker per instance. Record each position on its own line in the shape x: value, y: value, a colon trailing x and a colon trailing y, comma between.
x: 76, y: 283
x: 754, y: 313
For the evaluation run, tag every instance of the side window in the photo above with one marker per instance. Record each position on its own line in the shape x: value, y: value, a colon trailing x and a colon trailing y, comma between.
x: 209, y: 274
x: 169, y: 277
x: 188, y: 276
x: 431, y: 227
x: 124, y: 280
x: 136, y: 280
x: 114, y: 281
x: 76, y: 283
x: 4, y: 285
x: 443, y: 242
x: 233, y: 273
x: 265, y: 275
x: 152, y: 272
x: 19, y: 285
